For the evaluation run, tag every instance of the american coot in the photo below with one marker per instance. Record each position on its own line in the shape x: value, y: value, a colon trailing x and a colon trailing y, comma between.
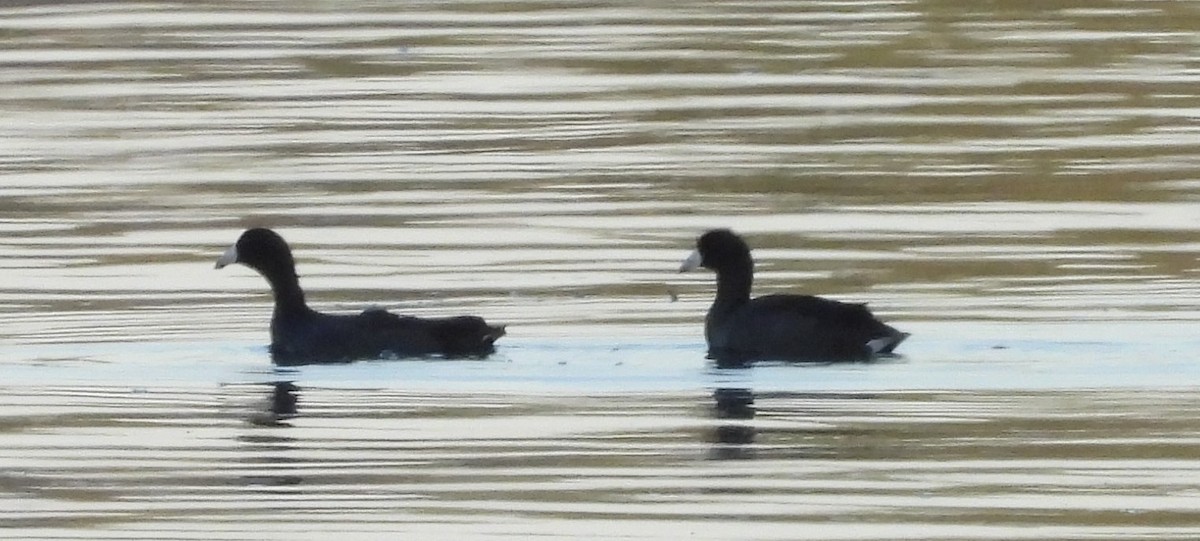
x: 301, y: 335
x: 779, y: 327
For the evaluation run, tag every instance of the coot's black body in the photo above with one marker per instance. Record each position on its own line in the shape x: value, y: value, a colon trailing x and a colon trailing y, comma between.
x: 301, y: 335
x: 779, y: 327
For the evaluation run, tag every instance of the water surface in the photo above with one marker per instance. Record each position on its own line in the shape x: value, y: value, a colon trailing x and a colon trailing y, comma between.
x: 1016, y: 185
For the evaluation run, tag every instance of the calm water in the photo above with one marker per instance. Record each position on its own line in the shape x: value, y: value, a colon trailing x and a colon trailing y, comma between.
x: 1016, y: 184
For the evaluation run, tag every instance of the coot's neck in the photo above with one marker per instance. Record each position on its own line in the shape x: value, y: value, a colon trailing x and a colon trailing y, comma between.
x: 733, y: 287
x: 285, y: 286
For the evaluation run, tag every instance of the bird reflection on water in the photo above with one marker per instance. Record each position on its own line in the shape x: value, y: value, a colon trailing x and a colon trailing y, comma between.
x: 277, y: 407
x: 270, y: 450
x: 734, y: 438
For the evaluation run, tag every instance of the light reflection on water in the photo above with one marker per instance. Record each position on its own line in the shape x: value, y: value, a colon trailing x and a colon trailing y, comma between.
x: 790, y: 465
x: 1013, y: 184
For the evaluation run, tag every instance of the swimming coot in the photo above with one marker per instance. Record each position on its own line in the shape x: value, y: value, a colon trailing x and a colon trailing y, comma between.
x: 301, y: 335
x: 779, y: 327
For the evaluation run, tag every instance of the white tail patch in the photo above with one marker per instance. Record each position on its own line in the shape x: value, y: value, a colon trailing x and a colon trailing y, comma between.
x: 886, y: 343
x: 879, y: 344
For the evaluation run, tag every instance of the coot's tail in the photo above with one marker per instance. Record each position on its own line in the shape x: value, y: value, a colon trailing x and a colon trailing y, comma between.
x: 467, y: 335
x: 888, y: 342
x: 494, y: 332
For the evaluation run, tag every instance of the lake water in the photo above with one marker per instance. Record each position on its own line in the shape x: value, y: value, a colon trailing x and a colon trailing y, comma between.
x: 1017, y: 184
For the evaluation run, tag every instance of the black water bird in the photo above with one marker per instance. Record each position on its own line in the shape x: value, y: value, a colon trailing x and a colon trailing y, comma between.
x: 301, y: 335
x: 781, y: 327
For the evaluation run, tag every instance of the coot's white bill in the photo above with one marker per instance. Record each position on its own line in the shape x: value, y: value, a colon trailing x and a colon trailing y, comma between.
x: 228, y: 258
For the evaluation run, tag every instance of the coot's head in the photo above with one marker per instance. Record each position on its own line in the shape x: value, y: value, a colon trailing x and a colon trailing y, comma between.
x: 260, y: 249
x: 718, y: 249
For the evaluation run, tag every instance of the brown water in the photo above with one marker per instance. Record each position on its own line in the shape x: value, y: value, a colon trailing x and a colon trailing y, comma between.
x: 1014, y: 183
